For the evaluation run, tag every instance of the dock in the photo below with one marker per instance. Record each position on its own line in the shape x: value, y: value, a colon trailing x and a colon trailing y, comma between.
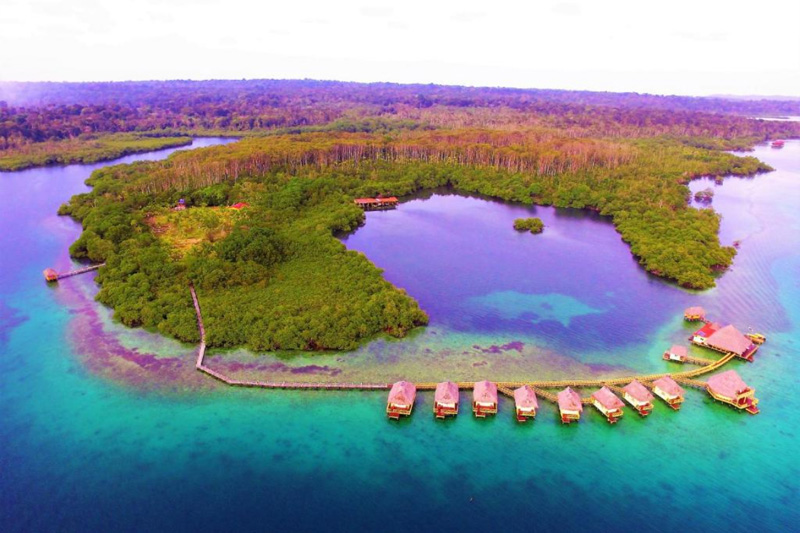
x: 379, y: 202
x: 543, y: 389
x: 51, y: 275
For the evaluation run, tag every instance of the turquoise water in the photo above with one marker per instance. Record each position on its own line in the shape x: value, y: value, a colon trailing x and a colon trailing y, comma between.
x: 98, y: 436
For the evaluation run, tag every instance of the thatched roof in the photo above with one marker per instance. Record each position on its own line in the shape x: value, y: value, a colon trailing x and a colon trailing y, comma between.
x: 608, y: 399
x: 402, y: 393
x: 638, y: 392
x: 485, y: 392
x: 729, y: 339
x: 525, y: 397
x: 727, y: 384
x: 569, y: 400
x: 446, y: 392
x: 669, y: 385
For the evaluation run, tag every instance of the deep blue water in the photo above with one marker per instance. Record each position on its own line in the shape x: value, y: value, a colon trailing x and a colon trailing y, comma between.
x: 82, y: 453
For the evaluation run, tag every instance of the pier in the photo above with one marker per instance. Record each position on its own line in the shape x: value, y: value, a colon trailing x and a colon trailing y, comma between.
x: 50, y: 275
x: 688, y: 377
x: 379, y: 202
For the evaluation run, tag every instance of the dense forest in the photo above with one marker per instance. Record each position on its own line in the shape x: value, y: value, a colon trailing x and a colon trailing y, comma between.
x: 34, y: 113
x: 273, y: 275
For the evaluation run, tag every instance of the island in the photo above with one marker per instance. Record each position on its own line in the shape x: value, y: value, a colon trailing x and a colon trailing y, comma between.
x: 532, y: 225
x: 253, y: 226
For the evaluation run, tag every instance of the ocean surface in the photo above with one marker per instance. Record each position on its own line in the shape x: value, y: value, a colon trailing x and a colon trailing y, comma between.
x: 109, y: 429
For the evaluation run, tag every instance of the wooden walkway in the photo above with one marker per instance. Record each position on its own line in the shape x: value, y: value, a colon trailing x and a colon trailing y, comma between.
x: 505, y: 387
x: 62, y: 275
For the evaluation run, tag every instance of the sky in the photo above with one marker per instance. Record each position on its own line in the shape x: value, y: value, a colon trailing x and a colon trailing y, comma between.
x: 693, y: 47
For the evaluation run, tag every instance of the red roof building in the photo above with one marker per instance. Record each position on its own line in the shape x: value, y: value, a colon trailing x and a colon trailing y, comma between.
x: 700, y: 336
x: 729, y: 388
x: 401, y: 399
x: 668, y: 390
x: 445, y: 400
x: 484, y: 398
x: 639, y: 397
x: 240, y: 205
x: 608, y: 404
x: 526, y: 403
x: 569, y: 405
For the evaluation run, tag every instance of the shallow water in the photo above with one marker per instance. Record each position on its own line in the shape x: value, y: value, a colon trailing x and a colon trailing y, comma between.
x: 110, y: 429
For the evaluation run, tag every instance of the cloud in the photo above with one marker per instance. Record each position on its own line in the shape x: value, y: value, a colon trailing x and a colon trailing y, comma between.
x: 376, y: 11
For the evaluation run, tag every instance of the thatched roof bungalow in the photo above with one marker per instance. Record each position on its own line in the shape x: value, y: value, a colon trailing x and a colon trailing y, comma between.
x: 401, y: 399
x: 569, y: 405
x: 668, y: 390
x: 607, y: 403
x: 484, y: 398
x: 445, y: 399
x: 728, y: 387
x: 525, y: 402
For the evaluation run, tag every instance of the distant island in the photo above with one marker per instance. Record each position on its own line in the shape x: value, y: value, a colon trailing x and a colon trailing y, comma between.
x: 253, y: 225
x: 533, y: 225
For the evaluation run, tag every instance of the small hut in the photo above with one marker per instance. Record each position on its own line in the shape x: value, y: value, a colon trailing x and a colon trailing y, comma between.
x: 668, y: 390
x: 694, y: 314
x: 50, y: 274
x: 569, y: 405
x: 608, y: 404
x: 240, y: 205
x: 639, y: 397
x: 484, y: 399
x: 526, y: 403
x: 731, y: 340
x: 729, y: 388
x: 701, y: 335
x: 445, y: 400
x: 401, y: 399
x: 676, y: 353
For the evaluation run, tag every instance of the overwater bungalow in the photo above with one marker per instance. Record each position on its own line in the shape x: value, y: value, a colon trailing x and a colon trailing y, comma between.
x: 700, y: 336
x: 639, y: 397
x: 484, y: 399
x: 379, y: 202
x: 526, y: 403
x: 676, y: 353
x: 569, y: 405
x: 694, y: 314
x: 728, y: 387
x: 731, y: 340
x: 401, y: 399
x: 50, y: 274
x: 668, y: 390
x: 445, y: 400
x: 608, y: 404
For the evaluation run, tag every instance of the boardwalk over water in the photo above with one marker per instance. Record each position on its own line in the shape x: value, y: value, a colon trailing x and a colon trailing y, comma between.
x: 52, y: 275
x: 505, y: 387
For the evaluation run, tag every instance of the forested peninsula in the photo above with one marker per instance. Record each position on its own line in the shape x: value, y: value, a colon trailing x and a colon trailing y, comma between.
x: 272, y: 273
x: 85, y: 149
